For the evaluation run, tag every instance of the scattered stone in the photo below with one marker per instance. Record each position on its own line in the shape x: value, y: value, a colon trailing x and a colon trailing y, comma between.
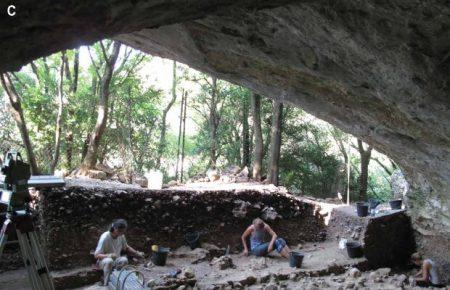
x: 172, y: 183
x: 361, y: 281
x: 350, y: 285
x: 354, y: 273
x: 105, y: 168
x: 223, y: 262
x: 258, y: 263
x: 240, y: 210
x: 383, y: 272
x: 269, y: 214
x: 400, y: 280
x: 271, y: 287
x: 244, y: 172
x: 313, y: 286
x: 213, y: 175
x: 250, y: 280
x: 141, y: 181
x: 97, y: 174
x: 188, y: 273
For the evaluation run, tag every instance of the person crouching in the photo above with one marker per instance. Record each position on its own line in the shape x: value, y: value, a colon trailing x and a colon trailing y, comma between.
x: 110, y: 247
x: 259, y: 245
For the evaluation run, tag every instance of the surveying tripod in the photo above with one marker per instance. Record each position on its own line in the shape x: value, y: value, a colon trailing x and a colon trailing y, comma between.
x: 14, y: 183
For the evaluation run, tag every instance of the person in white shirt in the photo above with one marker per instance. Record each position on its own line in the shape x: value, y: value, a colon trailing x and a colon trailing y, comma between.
x: 428, y: 274
x: 111, y: 244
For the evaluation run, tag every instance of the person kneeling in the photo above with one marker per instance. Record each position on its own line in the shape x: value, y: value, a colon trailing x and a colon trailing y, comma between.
x: 110, y: 246
x: 258, y: 242
x: 428, y: 274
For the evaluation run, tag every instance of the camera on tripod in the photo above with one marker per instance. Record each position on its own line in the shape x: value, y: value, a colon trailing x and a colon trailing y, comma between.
x: 15, y: 179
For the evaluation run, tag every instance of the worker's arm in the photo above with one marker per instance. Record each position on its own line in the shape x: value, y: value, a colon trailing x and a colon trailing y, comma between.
x: 100, y: 250
x: 102, y: 256
x: 133, y: 252
x: 425, y: 272
x: 274, y: 237
x: 418, y: 274
x: 244, y: 237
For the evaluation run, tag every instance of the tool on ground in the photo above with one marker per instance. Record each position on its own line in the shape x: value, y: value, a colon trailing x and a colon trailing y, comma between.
x: 14, y: 182
x: 227, y: 251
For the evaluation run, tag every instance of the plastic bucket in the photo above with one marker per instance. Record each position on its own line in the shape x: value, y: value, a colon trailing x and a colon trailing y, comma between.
x: 373, y: 204
x: 354, y: 250
x: 193, y: 240
x: 295, y: 259
x: 396, y: 204
x: 159, y: 256
x: 362, y: 209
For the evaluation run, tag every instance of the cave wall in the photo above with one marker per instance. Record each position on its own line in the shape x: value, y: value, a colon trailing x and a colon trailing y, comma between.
x: 72, y: 219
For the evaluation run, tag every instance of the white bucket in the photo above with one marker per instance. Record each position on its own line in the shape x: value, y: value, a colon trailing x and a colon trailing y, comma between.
x: 155, y: 179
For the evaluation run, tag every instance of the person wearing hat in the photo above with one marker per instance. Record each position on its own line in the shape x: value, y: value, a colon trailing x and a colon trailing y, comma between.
x: 110, y: 246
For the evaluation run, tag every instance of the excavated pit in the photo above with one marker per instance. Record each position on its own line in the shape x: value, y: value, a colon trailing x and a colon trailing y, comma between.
x: 73, y: 218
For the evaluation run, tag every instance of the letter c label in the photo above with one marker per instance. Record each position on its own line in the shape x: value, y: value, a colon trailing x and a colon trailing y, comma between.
x: 11, y: 10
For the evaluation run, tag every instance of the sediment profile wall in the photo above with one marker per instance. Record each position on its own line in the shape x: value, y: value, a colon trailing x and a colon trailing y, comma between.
x: 72, y: 219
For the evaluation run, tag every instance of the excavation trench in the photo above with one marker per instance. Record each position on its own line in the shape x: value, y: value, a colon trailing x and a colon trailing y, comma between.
x: 71, y: 220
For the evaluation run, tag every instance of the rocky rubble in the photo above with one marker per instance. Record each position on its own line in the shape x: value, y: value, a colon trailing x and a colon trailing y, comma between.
x: 230, y: 174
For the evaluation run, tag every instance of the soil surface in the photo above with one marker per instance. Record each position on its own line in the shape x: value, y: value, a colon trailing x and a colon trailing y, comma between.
x: 325, y: 266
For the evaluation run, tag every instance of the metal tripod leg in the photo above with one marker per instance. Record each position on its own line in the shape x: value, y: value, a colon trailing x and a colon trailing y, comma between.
x: 4, y: 235
x: 34, y: 260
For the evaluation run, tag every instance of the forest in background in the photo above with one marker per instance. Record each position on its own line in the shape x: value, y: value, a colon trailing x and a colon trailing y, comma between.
x: 74, y: 109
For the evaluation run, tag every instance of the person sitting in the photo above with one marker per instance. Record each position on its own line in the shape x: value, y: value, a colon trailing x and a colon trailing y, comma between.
x: 258, y: 242
x: 428, y: 274
x: 110, y: 246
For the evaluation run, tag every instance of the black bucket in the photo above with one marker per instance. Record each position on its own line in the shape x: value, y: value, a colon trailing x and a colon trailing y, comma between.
x: 295, y: 259
x: 396, y: 204
x: 362, y: 209
x: 193, y: 240
x: 159, y: 257
x: 354, y: 250
x: 373, y: 204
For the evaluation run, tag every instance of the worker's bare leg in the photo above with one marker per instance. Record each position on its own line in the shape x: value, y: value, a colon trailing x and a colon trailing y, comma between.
x: 121, y: 262
x: 106, y: 264
x: 285, y: 252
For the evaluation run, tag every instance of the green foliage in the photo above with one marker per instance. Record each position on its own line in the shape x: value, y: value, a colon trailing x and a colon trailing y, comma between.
x: 311, y: 160
x: 306, y: 166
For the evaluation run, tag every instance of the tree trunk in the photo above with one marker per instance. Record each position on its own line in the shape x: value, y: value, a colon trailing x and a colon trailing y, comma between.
x: 17, y: 113
x: 275, y: 142
x: 102, y: 113
x: 258, y: 147
x: 213, y: 124
x: 245, y: 134
x: 162, y: 140
x: 364, y: 174
x: 73, y: 91
x: 59, y: 116
x: 183, y: 137
x: 179, y: 135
